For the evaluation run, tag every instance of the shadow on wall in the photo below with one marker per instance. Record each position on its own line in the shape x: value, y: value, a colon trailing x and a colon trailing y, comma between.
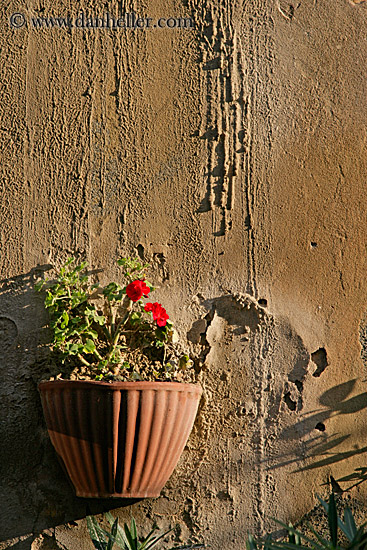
x: 245, y: 315
x: 34, y: 491
x: 335, y: 402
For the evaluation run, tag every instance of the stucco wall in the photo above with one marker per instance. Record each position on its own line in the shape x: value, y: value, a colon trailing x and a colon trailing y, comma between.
x: 234, y: 158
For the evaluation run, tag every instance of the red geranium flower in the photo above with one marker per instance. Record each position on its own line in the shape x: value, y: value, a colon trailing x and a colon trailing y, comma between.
x: 136, y: 289
x: 162, y: 318
x: 158, y: 312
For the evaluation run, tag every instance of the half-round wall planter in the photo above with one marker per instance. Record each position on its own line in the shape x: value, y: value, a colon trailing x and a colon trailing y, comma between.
x: 119, y: 439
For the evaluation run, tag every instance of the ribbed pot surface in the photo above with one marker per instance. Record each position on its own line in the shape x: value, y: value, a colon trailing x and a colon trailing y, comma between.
x: 122, y: 439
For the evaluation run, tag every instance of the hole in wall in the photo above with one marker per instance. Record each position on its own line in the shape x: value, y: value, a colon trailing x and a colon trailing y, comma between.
x: 320, y: 426
x: 319, y: 357
x: 262, y: 302
x: 299, y: 385
x: 313, y: 244
x: 241, y: 411
x: 140, y: 251
x: 197, y: 331
x: 292, y: 405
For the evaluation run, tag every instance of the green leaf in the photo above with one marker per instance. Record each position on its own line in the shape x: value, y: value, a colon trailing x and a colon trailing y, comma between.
x: 324, y: 543
x: 89, y: 346
x: 95, y: 533
x: 267, y: 542
x: 151, y: 542
x: 135, y: 318
x: 291, y: 534
x: 122, y: 532
x: 350, y: 529
x: 113, y: 291
x: 251, y: 543
x: 65, y: 318
x: 113, y: 535
x: 274, y: 545
x: 149, y: 285
x: 344, y: 528
x: 111, y: 538
x: 73, y: 349
x: 39, y: 285
x: 92, y: 333
x: 100, y: 319
x: 133, y: 543
x: 118, y: 535
x: 133, y: 531
x: 333, y: 520
x: 80, y: 267
x: 184, y: 362
x: 289, y: 546
x: 110, y: 518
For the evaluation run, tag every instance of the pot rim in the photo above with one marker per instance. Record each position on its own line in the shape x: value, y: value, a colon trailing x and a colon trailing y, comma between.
x: 128, y: 385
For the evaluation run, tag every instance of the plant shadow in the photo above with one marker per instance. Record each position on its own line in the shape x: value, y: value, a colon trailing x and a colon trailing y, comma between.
x: 322, y: 450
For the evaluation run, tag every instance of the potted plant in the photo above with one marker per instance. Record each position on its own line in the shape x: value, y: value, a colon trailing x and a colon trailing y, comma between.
x: 121, y: 404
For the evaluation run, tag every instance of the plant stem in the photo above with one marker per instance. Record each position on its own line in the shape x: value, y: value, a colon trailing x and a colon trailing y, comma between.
x: 98, y: 355
x: 112, y: 317
x: 107, y: 334
x: 117, y: 334
x: 119, y: 327
x: 82, y: 360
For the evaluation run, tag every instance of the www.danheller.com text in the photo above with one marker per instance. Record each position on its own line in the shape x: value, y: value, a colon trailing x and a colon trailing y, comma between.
x: 107, y: 21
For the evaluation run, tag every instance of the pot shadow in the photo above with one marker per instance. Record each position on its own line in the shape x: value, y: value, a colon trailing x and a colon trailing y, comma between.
x: 34, y: 491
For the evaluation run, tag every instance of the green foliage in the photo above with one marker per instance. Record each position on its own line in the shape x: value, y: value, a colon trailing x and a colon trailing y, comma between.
x: 356, y: 537
x: 133, y: 269
x: 102, y: 329
x: 125, y: 537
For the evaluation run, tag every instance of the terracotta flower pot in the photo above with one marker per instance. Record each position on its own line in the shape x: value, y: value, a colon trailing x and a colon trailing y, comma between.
x: 120, y: 439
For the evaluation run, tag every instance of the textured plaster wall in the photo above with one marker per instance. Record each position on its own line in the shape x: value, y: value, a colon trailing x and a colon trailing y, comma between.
x: 234, y: 158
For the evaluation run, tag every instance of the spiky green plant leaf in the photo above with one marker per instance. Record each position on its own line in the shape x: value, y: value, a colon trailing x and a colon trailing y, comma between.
x: 333, y: 521
x: 113, y: 535
x: 150, y: 542
x: 251, y: 543
x: 350, y: 525
x: 95, y: 534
